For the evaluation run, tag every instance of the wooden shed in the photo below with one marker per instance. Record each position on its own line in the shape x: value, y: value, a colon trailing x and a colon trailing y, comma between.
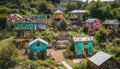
x: 93, y: 24
x: 114, y: 28
x: 83, y: 45
x: 38, y: 49
x: 77, y: 15
x: 58, y: 15
x: 112, y: 25
x: 102, y: 60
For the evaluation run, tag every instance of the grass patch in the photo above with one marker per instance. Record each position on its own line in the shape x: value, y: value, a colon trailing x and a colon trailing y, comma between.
x: 70, y: 62
x: 7, y: 42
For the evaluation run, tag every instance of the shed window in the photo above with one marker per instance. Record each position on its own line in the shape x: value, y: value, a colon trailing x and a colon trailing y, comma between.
x: 86, y: 42
x: 24, y: 25
x: 38, y: 44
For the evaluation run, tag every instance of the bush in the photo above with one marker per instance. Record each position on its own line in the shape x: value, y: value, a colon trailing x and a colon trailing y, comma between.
x: 112, y: 49
x: 116, y: 42
x: 101, y: 35
x: 83, y: 64
x: 91, y: 32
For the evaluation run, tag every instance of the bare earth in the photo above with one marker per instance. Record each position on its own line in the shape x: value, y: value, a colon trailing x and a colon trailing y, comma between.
x: 57, y: 54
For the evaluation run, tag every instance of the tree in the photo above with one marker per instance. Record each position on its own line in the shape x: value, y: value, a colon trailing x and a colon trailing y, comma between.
x: 71, y: 7
x: 54, y: 1
x: 116, y: 13
x: 115, y: 4
x: 100, y: 10
x: 101, y: 35
x: 45, y: 7
x: 7, y: 57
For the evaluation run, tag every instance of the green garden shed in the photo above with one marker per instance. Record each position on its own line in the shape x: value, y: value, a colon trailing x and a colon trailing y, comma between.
x: 83, y: 45
x: 38, y: 49
x: 26, y: 24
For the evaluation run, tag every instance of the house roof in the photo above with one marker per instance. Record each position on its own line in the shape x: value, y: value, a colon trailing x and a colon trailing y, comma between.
x: 79, y: 11
x: 27, y: 20
x: 58, y: 11
x: 90, y: 20
x: 99, y: 58
x: 19, y: 15
x: 77, y: 39
x: 38, y: 39
x: 115, y: 21
x: 16, y: 15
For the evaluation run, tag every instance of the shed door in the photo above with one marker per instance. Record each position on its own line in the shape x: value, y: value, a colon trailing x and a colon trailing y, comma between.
x: 38, y: 55
x: 85, y: 52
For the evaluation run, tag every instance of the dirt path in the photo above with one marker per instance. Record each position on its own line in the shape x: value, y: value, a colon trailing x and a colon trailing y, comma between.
x: 57, y: 54
x: 21, y: 54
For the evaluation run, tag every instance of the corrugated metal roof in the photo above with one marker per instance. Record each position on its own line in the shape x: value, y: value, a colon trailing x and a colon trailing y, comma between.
x: 99, y: 58
x: 90, y: 20
x: 79, y: 11
x: 77, y: 39
x: 38, y: 39
x: 115, y: 21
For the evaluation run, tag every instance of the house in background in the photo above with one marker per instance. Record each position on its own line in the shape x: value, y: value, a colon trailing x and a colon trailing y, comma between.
x: 12, y: 19
x: 102, y: 60
x: 83, y: 45
x: 41, y: 21
x: 62, y: 41
x: 93, y: 24
x: 58, y: 17
x: 77, y: 15
x: 38, y: 49
x: 26, y: 28
x: 113, y: 26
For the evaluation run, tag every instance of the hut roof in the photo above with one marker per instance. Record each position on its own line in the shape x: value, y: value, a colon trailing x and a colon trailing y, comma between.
x: 99, y: 58
x: 38, y: 39
x: 58, y: 11
x: 15, y: 14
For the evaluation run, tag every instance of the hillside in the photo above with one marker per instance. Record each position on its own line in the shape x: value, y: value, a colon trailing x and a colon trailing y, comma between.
x: 24, y: 8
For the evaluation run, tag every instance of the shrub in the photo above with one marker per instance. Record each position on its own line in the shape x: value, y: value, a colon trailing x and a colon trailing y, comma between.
x: 83, y: 64
x: 112, y: 49
x: 101, y: 35
x: 116, y: 42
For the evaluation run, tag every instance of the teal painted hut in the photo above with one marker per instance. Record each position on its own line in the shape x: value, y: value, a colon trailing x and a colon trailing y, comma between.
x: 83, y: 45
x: 38, y: 49
x: 26, y: 24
